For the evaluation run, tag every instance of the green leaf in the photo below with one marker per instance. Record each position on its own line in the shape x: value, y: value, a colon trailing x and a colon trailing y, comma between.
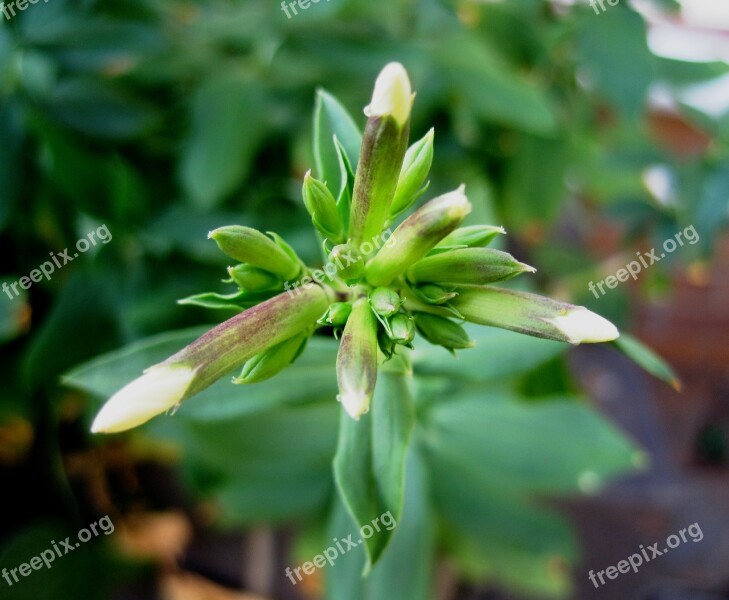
x: 407, y: 566
x: 369, y: 463
x: 100, y: 109
x: 556, y: 445
x: 228, y: 122
x: 613, y: 52
x: 330, y: 119
x: 498, y: 354
x: 490, y: 87
x: 645, y: 358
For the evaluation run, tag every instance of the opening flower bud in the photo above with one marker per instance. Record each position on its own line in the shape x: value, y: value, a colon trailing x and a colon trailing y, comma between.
x: 393, y: 95
x: 533, y: 315
x: 357, y: 360
x: 161, y: 388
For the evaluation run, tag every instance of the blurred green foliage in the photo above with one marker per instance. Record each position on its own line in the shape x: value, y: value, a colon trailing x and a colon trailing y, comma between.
x: 164, y: 119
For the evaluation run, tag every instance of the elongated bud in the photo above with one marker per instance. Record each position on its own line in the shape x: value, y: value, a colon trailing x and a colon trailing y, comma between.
x: 322, y: 207
x: 212, y: 356
x: 442, y: 332
x: 402, y: 329
x: 384, y: 144
x: 253, y: 279
x: 474, y: 236
x: 337, y: 314
x: 415, y: 169
x: 248, y: 245
x: 357, y: 360
x: 158, y: 390
x: 418, y: 234
x: 467, y: 266
x: 434, y: 294
x: 393, y: 95
x: 533, y: 315
x: 385, y: 301
x: 270, y: 362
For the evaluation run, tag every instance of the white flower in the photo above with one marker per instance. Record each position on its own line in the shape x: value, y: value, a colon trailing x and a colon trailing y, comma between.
x: 355, y: 403
x: 392, y: 95
x: 581, y: 325
x: 159, y: 389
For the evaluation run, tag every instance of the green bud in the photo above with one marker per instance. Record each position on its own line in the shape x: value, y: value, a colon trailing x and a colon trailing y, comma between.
x: 384, y: 144
x: 467, y: 266
x: 272, y: 361
x: 415, y: 169
x: 337, y: 314
x: 402, y: 329
x: 533, y: 315
x: 433, y: 294
x: 385, y: 301
x: 252, y: 279
x: 357, y: 360
x: 442, y: 332
x: 418, y: 234
x: 322, y: 207
x: 348, y: 262
x: 248, y: 245
x: 474, y: 236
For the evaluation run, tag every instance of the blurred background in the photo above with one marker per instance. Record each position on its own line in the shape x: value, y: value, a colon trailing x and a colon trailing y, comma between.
x: 591, y: 132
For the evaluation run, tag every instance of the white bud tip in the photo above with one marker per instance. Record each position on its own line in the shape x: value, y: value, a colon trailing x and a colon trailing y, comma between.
x: 580, y: 325
x: 392, y: 95
x: 158, y: 390
x: 355, y: 403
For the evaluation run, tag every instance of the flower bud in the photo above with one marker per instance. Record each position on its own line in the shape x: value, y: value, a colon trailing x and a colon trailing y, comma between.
x: 161, y: 388
x: 252, y: 279
x: 384, y: 144
x: 248, y: 245
x: 402, y: 329
x: 392, y: 95
x: 474, y: 236
x: 415, y: 169
x: 418, y: 234
x: 467, y: 266
x: 211, y: 356
x: 270, y: 362
x: 442, y: 332
x: 336, y: 315
x: 431, y: 293
x: 385, y: 301
x: 357, y: 360
x: 533, y: 315
x: 322, y: 207
x: 348, y: 262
